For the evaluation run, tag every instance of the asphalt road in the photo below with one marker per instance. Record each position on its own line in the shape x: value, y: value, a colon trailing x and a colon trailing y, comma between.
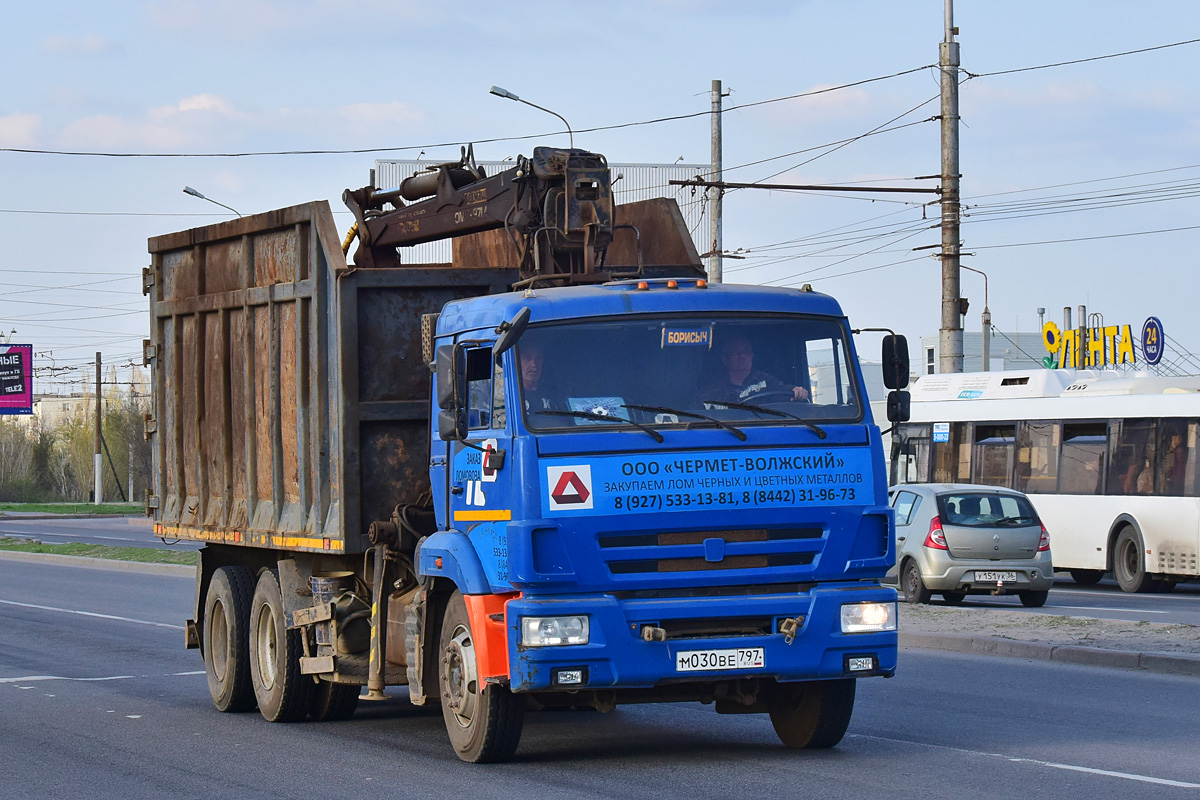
x: 98, y: 699
x: 113, y: 531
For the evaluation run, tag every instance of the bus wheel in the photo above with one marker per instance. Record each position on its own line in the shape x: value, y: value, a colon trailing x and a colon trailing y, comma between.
x: 483, y: 721
x: 813, y: 714
x: 283, y: 693
x: 1128, y: 565
x: 1087, y: 577
x: 227, y: 638
x: 911, y: 585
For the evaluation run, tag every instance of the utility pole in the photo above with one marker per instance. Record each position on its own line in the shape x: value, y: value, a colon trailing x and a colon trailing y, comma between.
x: 98, y: 460
x: 950, y: 337
x: 715, y: 193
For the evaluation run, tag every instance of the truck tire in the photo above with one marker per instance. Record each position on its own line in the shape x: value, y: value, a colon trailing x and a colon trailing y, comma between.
x: 911, y: 585
x: 226, y: 636
x: 1087, y: 577
x: 484, y: 721
x: 283, y: 693
x: 814, y: 714
x: 1129, y: 565
x: 333, y: 701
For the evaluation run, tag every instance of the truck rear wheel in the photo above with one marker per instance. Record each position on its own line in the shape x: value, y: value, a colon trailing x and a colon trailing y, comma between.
x: 813, y: 714
x: 484, y: 721
x: 283, y: 692
x: 227, y: 638
x: 333, y: 701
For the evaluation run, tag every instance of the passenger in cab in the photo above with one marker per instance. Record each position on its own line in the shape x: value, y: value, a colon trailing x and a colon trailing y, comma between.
x: 742, y: 383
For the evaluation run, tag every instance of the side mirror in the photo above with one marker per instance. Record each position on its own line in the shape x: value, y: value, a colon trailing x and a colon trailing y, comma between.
x: 899, y: 406
x: 895, y: 362
x: 509, y: 332
x: 451, y: 393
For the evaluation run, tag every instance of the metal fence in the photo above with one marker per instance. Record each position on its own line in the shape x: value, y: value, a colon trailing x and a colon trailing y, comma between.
x: 631, y: 182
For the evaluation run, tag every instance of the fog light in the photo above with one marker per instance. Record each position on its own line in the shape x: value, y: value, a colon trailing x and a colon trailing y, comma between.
x: 868, y: 617
x: 550, y: 631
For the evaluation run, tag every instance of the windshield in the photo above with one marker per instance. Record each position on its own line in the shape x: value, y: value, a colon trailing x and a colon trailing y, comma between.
x: 687, y: 371
x: 986, y: 510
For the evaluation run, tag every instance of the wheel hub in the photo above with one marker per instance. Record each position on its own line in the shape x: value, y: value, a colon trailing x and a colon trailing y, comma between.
x: 267, y: 648
x: 462, y: 684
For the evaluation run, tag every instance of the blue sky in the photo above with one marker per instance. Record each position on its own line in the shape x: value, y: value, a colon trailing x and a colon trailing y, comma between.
x: 182, y: 76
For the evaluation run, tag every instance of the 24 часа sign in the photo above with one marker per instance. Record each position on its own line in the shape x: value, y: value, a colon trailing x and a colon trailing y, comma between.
x: 16, y: 379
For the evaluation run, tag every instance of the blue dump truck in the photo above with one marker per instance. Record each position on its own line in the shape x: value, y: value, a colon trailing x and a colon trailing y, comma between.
x: 561, y: 471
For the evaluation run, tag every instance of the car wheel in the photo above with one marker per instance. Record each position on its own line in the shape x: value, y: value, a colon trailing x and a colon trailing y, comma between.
x: 1128, y: 565
x: 226, y: 634
x: 1087, y: 577
x: 483, y: 721
x: 1034, y: 599
x: 911, y: 585
x: 283, y: 693
x: 813, y: 714
x: 954, y: 598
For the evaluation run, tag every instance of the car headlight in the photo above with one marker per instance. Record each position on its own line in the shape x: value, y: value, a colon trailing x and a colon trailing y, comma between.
x: 548, y: 631
x: 868, y: 617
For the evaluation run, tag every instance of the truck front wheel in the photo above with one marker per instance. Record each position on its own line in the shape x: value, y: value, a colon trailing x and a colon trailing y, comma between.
x: 284, y: 695
x: 484, y: 721
x: 813, y: 714
x: 226, y: 634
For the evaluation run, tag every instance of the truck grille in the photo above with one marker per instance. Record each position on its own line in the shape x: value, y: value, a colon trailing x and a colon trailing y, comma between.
x: 705, y: 551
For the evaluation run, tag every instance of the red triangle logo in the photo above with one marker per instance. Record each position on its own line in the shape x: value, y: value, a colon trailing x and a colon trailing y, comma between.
x: 570, y: 490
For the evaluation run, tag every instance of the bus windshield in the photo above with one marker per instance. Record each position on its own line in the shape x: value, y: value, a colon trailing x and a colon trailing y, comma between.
x: 687, y: 370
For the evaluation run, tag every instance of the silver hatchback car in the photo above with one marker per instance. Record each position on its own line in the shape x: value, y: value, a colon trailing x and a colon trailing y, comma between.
x: 960, y: 539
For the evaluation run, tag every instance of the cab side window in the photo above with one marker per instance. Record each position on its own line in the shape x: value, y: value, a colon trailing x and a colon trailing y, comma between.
x: 479, y: 388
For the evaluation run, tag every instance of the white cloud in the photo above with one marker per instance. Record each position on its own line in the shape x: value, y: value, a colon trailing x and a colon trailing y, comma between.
x: 19, y: 130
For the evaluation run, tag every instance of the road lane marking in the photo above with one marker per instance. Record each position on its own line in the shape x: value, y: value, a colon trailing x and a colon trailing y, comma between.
x: 91, y: 614
x: 81, y: 535
x: 38, y: 678
x: 1108, y: 773
x: 1107, y: 608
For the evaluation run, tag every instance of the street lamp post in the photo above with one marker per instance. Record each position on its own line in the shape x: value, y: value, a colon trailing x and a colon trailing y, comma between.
x: 496, y: 90
x: 194, y: 193
x: 986, y: 318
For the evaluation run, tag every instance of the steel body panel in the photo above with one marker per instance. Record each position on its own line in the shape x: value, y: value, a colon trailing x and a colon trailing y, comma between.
x: 290, y: 395
x: 618, y: 657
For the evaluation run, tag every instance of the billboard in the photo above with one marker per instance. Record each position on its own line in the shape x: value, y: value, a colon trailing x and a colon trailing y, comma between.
x: 16, y: 379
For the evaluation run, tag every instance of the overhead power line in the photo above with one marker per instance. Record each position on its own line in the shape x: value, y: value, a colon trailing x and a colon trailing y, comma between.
x: 1079, y: 60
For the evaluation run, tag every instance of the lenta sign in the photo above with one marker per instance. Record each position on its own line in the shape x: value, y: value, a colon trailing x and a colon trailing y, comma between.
x: 16, y: 379
x: 1107, y: 346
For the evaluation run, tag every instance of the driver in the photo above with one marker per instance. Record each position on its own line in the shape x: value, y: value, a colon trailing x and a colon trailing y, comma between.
x: 538, y: 396
x: 742, y: 382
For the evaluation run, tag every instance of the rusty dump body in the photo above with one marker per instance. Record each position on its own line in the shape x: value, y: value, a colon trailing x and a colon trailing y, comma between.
x: 290, y: 391
x: 291, y: 397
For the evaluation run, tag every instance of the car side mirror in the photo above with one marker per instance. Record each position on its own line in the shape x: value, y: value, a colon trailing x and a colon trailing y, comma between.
x: 895, y: 361
x: 509, y: 332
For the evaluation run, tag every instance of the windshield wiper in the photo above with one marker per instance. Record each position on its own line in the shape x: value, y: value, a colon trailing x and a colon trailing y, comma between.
x: 658, y: 437
x: 1018, y: 518
x: 664, y: 410
x: 750, y: 407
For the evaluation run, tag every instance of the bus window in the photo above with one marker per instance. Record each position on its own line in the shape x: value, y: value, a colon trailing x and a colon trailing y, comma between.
x: 1191, y: 480
x: 992, y: 455
x: 910, y: 454
x: 1037, y: 457
x: 1131, y: 457
x: 951, y: 460
x: 1082, y: 463
x: 1172, y: 457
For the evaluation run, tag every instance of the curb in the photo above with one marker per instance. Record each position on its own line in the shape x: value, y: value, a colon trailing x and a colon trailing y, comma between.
x: 1166, y: 663
x: 173, y: 570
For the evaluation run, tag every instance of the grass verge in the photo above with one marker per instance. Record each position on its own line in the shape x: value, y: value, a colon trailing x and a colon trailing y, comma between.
x: 114, y: 509
x: 147, y: 555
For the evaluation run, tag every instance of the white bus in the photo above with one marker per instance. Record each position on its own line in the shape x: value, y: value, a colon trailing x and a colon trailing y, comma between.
x: 1108, y: 459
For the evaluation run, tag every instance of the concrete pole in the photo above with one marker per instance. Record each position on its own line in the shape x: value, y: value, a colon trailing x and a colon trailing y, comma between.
x: 98, y: 460
x: 950, y: 337
x: 715, y: 195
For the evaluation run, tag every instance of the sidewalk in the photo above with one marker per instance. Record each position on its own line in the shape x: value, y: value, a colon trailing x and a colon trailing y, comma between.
x: 1149, y: 646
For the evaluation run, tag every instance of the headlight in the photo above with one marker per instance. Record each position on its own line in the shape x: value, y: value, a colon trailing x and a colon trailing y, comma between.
x: 546, y: 631
x: 868, y: 617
